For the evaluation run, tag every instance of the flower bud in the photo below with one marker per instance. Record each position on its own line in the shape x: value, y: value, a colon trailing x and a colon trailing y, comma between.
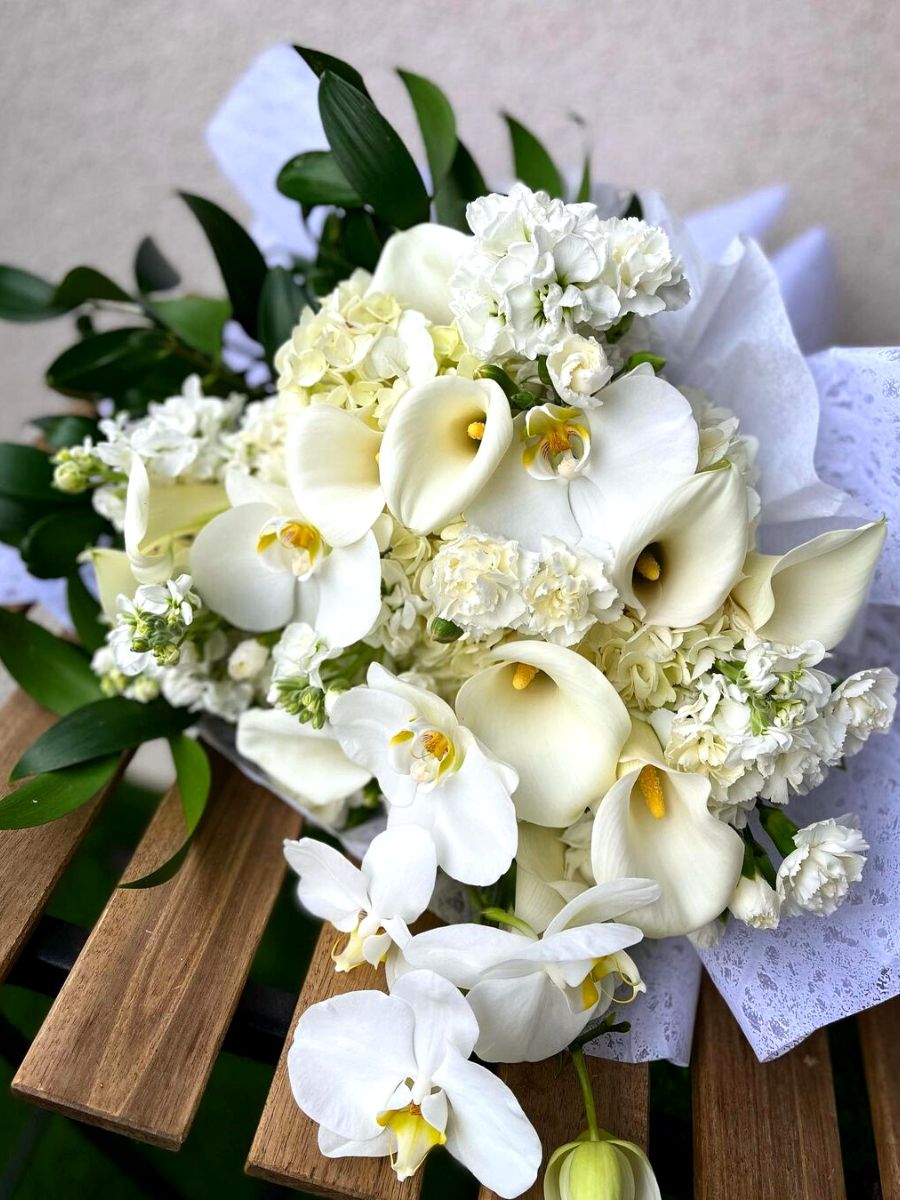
x: 609, y: 1169
x: 755, y: 903
x: 68, y: 477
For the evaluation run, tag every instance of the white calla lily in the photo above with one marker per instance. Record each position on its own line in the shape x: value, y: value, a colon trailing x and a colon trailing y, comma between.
x: 373, y: 903
x: 415, y: 267
x: 813, y: 591
x: 306, y: 766
x: 542, y: 889
x: 332, y: 469
x: 443, y: 442
x: 161, y: 519
x: 530, y: 995
x: 555, y: 718
x: 655, y: 822
x: 433, y: 772
x: 680, y: 558
x: 389, y: 1075
x: 114, y: 576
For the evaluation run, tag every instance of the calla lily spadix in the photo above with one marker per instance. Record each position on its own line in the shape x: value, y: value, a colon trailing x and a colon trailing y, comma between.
x: 573, y: 472
x: 442, y: 443
x: 262, y: 564
x: 306, y: 765
x: 815, y: 590
x: 161, y: 519
x: 556, y: 719
x: 389, y: 1075
x: 680, y: 558
x: 371, y: 904
x: 654, y: 822
x: 433, y: 772
x: 533, y: 995
x: 415, y: 266
x: 332, y: 469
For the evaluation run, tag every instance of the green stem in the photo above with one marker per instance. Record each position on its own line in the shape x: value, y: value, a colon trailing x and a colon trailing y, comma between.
x: 501, y: 917
x: 587, y: 1094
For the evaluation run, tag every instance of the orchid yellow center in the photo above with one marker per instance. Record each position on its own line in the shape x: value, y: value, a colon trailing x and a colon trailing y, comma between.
x: 651, y: 786
x: 556, y: 442
x: 287, y: 544
x: 422, y: 752
x: 436, y: 743
x: 648, y: 565
x: 608, y: 967
x: 475, y: 430
x: 523, y: 675
x: 411, y: 1138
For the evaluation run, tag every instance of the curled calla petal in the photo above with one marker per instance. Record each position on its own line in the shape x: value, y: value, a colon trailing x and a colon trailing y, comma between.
x: 114, y: 576
x: 332, y: 467
x: 443, y: 442
x: 556, y: 719
x: 416, y: 265
x: 813, y: 591
x: 680, y: 558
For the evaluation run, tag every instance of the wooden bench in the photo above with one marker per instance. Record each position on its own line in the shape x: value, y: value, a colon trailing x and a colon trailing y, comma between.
x: 142, y: 1013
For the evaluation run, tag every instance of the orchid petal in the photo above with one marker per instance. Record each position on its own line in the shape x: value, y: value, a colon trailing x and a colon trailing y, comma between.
x: 399, y: 869
x: 523, y: 1020
x: 443, y: 1020
x: 415, y: 267
x: 342, y: 598
x: 464, y: 954
x: 605, y: 902
x: 330, y: 886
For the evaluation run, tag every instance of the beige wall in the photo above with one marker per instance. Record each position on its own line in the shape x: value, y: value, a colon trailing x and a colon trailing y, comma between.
x: 103, y: 104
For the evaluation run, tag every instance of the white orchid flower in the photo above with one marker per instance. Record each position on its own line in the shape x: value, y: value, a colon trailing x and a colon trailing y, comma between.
x: 305, y: 765
x: 680, y: 558
x: 443, y: 442
x: 432, y: 771
x: 372, y: 904
x: 813, y: 591
x: 654, y: 822
x: 530, y: 995
x: 332, y: 469
x: 415, y: 267
x: 555, y: 718
x: 262, y: 564
x: 573, y: 472
x: 389, y: 1075
x: 161, y: 519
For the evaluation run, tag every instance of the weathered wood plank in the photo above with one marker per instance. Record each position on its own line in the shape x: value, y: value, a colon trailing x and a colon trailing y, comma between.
x: 762, y: 1131
x: 551, y: 1098
x: 879, y: 1031
x: 285, y: 1149
x: 31, y: 860
x: 132, y: 1036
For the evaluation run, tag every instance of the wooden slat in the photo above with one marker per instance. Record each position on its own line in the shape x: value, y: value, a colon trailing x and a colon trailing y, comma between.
x: 551, y: 1098
x: 879, y: 1031
x: 762, y: 1131
x: 31, y: 860
x: 285, y: 1149
x: 132, y: 1036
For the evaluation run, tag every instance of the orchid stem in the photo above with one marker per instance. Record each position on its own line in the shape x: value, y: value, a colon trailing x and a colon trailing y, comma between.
x: 587, y: 1094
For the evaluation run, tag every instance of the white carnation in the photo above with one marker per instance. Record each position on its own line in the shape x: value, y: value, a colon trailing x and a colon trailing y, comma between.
x: 566, y: 592
x: 865, y: 703
x: 755, y: 903
x: 476, y: 582
x: 641, y: 268
x: 816, y: 876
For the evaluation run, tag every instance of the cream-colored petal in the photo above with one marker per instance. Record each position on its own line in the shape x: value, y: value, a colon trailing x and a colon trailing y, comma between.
x: 698, y: 532
x: 114, y: 577
x: 416, y: 265
x: 815, y: 590
x: 431, y: 466
x: 332, y: 467
x: 562, y: 732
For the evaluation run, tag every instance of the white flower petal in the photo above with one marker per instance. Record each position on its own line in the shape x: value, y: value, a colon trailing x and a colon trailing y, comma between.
x: 332, y: 1145
x: 523, y: 1020
x: 114, y: 576
x: 415, y: 267
x: 363, y: 720
x: 514, y: 504
x: 399, y: 868
x: 342, y: 598
x: 159, y: 516
x: 330, y: 886
x: 462, y: 953
x: 443, y: 1020
x: 606, y: 902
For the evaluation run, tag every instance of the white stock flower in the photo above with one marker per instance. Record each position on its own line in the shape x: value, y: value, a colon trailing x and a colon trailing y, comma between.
x: 248, y: 660
x: 566, y: 592
x: 532, y: 995
x: 865, y: 703
x: 389, y: 1075
x: 476, y: 582
x: 432, y: 771
x: 755, y: 903
x: 816, y: 876
x: 578, y: 368
x: 416, y: 266
x: 372, y: 904
x: 298, y: 655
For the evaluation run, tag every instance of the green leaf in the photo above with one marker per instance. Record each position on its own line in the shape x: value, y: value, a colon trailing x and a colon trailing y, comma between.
x: 533, y: 165
x: 362, y: 238
x: 26, y: 473
x: 197, y: 320
x: 279, y: 309
x: 315, y: 178
x: 107, y: 364
x: 437, y: 123
x: 370, y: 154
x: 85, y: 613
x: 194, y: 776
x: 583, y: 195
x: 84, y: 283
x: 634, y: 208
x: 242, y: 266
x: 67, y: 429
x: 53, y: 672
x: 463, y: 183
x: 18, y: 516
x: 51, y: 546
x: 48, y: 797
x: 319, y: 62
x: 102, y: 727
x: 26, y: 297
x: 152, y: 270
x: 158, y: 382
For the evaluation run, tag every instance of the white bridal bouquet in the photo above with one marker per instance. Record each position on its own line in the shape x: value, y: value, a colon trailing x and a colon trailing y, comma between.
x: 492, y: 572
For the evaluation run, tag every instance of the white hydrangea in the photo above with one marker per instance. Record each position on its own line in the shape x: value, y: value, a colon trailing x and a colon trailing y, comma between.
x: 476, y: 582
x: 578, y: 368
x: 864, y: 703
x: 566, y: 592
x: 816, y: 876
x: 400, y: 623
